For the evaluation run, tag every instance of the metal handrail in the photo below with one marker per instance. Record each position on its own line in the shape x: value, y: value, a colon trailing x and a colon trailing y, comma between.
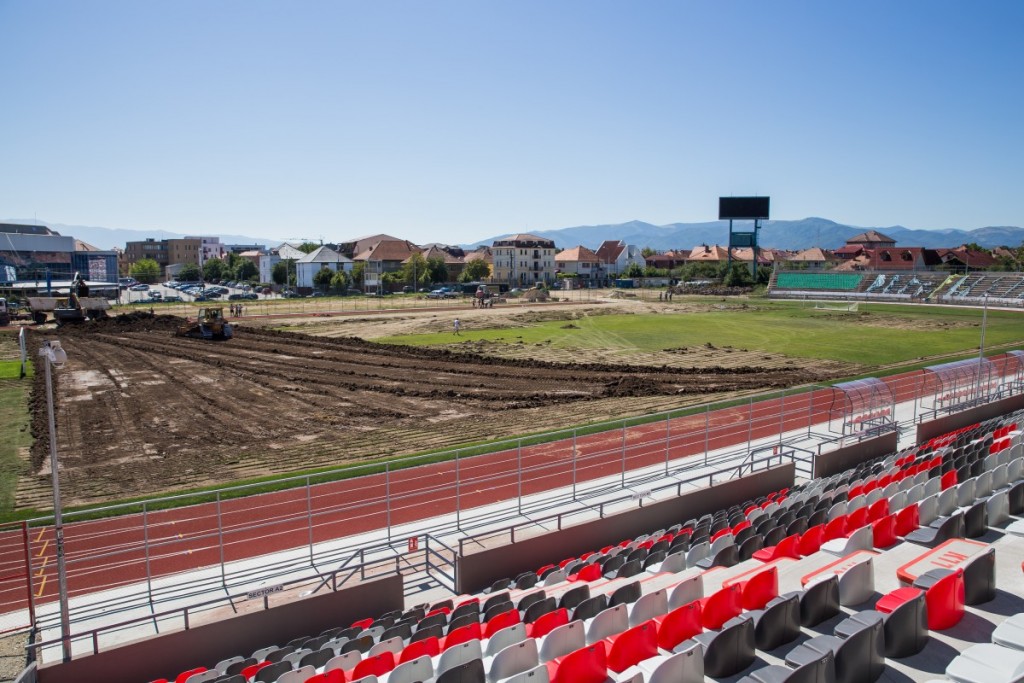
x: 560, y: 516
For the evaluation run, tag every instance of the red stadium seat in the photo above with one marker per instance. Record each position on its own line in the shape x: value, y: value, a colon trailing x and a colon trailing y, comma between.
x: 503, y: 620
x: 759, y: 589
x: 811, y: 540
x: 591, y: 572
x: 945, y: 599
x: 428, y: 647
x: 835, y: 529
x: 461, y: 635
x: 251, y: 671
x: 721, y: 606
x: 883, y: 532
x: 856, y: 520
x: 678, y: 625
x: 184, y: 675
x: 787, y: 547
x: 547, y: 623
x: 362, y: 623
x: 948, y: 480
x: 877, y: 510
x: 632, y: 646
x: 333, y: 676
x: 377, y: 665
x: 586, y: 665
x: 907, y: 520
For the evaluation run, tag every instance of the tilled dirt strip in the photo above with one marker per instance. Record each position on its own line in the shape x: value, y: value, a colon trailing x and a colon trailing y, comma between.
x: 142, y: 411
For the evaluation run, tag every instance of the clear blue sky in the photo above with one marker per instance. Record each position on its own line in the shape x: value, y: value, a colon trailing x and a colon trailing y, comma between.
x: 455, y: 121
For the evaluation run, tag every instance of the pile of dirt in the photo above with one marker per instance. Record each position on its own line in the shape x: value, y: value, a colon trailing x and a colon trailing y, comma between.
x: 632, y: 385
x: 711, y: 290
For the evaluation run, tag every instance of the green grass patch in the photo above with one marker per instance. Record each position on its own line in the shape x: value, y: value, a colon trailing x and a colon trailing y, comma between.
x: 876, y: 335
x: 15, y: 420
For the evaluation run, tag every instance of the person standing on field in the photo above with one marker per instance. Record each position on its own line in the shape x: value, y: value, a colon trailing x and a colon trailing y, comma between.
x: 458, y: 326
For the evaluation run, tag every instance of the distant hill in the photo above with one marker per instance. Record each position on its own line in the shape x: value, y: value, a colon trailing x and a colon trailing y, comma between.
x: 108, y: 238
x: 798, y: 234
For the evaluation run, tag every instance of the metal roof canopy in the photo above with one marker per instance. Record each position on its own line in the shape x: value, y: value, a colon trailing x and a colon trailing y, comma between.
x: 862, y: 404
x: 962, y: 381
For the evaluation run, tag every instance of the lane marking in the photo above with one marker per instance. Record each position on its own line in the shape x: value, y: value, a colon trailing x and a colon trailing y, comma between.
x: 42, y: 586
x: 42, y: 550
x: 40, y: 536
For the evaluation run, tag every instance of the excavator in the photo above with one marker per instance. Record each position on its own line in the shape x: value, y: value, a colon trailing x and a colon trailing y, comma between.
x: 208, y: 324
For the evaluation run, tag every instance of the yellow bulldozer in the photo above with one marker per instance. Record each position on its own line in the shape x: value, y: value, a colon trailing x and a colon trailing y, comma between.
x: 208, y: 324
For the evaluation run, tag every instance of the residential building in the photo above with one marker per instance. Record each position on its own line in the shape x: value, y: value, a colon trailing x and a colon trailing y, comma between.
x: 616, y: 256
x: 579, y: 262
x: 523, y: 260
x: 669, y: 260
x: 814, y: 258
x: 452, y: 257
x: 312, y: 263
x: 358, y: 245
x: 872, y: 239
x: 385, y: 256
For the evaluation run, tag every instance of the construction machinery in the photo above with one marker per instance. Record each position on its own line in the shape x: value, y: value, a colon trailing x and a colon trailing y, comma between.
x: 78, y: 307
x: 208, y: 324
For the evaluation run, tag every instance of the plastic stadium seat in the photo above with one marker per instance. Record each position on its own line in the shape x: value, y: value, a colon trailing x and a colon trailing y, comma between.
x: 883, y: 532
x: 586, y: 665
x: 574, y: 596
x: 514, y: 659
x: 811, y: 540
x: 679, y: 625
x: 835, y: 529
x: 625, y: 595
x: 496, y: 609
x: 726, y: 557
x: 858, y: 647
x: 787, y: 547
x: 778, y: 623
x: 562, y: 640
x: 503, y: 620
x: 609, y: 622
x: 687, y: 589
x: 458, y: 656
x: 980, y: 577
x: 729, y: 650
x: 987, y: 663
x: 428, y: 647
x: 976, y: 520
x: 461, y: 635
x: 760, y: 588
x: 720, y: 607
x: 632, y: 646
x: 590, y: 608
x: 819, y: 601
x: 547, y: 622
x: 250, y: 671
x: 538, y: 609
x: 944, y: 594
x: 649, y: 606
x: 685, y: 666
x: 591, y: 572
x: 1010, y: 633
x: 467, y: 672
x: 941, y: 531
x: 377, y: 665
x: 949, y: 479
x: 907, y: 520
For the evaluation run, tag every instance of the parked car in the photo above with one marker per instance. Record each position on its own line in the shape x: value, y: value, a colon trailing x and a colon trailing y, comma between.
x: 140, y: 288
x: 235, y: 297
x: 173, y: 298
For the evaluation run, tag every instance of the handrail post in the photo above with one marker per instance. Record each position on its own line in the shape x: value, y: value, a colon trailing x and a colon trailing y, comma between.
x: 458, y: 519
x: 387, y: 497
x: 309, y: 521
x: 707, y: 436
x: 668, y: 440
x: 29, y: 588
x: 519, y: 476
x: 575, y: 454
x: 623, y: 453
x: 145, y: 545
x: 220, y: 541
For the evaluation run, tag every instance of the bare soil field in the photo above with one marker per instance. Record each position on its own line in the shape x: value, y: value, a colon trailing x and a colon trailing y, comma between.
x: 141, y: 411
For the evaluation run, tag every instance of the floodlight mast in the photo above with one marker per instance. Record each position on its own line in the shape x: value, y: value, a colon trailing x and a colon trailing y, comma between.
x: 53, y: 355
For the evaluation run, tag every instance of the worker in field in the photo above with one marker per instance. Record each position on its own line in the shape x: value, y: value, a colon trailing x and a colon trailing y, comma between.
x: 457, y: 325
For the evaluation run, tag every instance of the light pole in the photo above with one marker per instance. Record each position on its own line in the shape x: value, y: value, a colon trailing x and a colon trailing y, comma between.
x: 53, y: 355
x: 981, y: 346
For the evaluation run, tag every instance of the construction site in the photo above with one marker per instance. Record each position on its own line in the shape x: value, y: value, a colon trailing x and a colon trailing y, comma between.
x: 144, y: 411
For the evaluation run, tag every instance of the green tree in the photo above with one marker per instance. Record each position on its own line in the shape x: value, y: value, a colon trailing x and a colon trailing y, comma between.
x: 340, y: 281
x: 647, y: 251
x: 308, y: 247
x: 145, y: 270
x: 213, y: 269
x: 476, y: 270
x: 282, y: 271
x: 322, y: 278
x: 738, y: 276
x: 246, y: 270
x: 414, y: 270
x: 633, y: 270
x: 190, y: 273
x: 358, y: 271
x: 651, y: 271
x: 437, y: 269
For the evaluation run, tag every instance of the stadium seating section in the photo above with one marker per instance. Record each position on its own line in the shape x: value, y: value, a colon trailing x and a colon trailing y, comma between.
x: 702, y: 598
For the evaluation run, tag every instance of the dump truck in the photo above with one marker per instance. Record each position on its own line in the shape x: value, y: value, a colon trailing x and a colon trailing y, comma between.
x: 209, y: 324
x: 76, y: 308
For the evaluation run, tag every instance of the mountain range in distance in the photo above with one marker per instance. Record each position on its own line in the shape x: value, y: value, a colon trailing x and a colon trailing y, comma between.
x: 775, y: 234
x: 778, y: 234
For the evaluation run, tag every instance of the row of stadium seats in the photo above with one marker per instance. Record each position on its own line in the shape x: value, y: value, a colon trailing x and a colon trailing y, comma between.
x: 592, y: 621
